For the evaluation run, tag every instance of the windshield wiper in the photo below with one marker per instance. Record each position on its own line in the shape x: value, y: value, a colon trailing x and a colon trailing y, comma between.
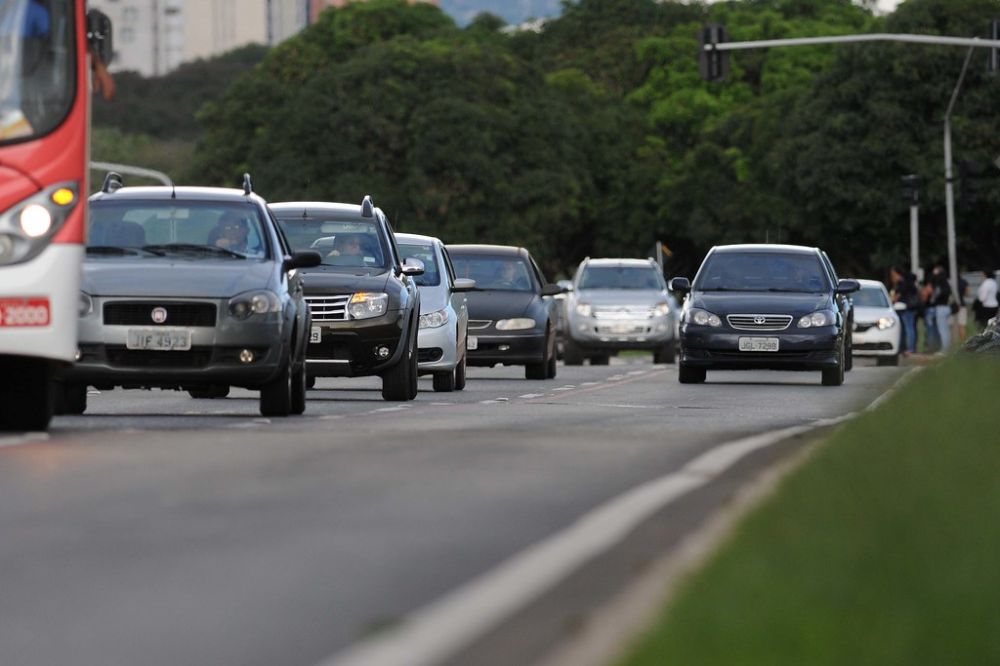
x: 119, y: 251
x: 782, y: 290
x: 191, y: 247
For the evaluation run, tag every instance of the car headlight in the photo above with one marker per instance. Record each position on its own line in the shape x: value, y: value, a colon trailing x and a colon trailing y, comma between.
x: 821, y: 318
x: 519, y: 324
x: 86, y: 304
x: 27, y: 226
x: 660, y: 310
x: 886, y: 322
x: 366, y: 305
x: 584, y: 309
x: 703, y: 318
x: 253, y: 303
x: 434, y: 319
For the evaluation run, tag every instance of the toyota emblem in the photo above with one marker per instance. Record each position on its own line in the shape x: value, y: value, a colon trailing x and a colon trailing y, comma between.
x: 158, y: 315
x: 759, y: 320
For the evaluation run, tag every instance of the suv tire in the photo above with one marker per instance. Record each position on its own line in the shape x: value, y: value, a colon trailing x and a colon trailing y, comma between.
x: 398, y: 381
x: 299, y: 389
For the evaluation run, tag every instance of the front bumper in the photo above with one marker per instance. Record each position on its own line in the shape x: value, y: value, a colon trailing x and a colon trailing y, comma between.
x: 591, y: 333
x: 876, y: 342
x: 437, y: 349
x: 816, y: 349
x: 511, y: 349
x: 353, y: 348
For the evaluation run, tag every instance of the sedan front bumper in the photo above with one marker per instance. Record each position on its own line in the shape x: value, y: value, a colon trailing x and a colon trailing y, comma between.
x: 815, y: 349
x: 512, y: 349
x: 437, y: 349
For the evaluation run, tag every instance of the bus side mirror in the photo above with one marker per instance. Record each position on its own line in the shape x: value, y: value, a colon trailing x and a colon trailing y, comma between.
x: 99, y: 35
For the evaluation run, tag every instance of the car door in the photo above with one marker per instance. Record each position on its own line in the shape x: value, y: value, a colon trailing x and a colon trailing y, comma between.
x: 458, y: 300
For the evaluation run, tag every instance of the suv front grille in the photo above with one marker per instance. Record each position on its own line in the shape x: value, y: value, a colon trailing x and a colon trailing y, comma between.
x: 759, y: 322
x: 139, y: 313
x: 623, y: 312
x: 328, y: 308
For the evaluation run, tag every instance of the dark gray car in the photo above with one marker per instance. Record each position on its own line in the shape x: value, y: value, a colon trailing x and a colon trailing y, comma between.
x: 191, y: 289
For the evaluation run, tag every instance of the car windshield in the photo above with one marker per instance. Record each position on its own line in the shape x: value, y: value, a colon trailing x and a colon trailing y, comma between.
x: 619, y: 277
x: 425, y: 253
x: 195, y: 230
x: 761, y: 271
x: 346, y: 243
x: 504, y: 273
x: 870, y: 297
x: 37, y: 83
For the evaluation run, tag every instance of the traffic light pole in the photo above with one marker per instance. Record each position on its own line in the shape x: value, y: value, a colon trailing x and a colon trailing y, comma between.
x: 949, y: 189
x: 915, y: 239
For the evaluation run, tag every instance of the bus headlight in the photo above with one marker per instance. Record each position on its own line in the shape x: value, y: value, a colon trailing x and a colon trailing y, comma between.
x: 35, y: 221
x: 27, y: 227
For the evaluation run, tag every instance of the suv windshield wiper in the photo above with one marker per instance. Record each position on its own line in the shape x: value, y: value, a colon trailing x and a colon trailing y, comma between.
x: 190, y: 247
x: 120, y: 251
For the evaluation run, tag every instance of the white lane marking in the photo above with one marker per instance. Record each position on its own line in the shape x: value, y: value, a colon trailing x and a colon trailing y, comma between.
x: 638, y: 372
x: 331, y: 417
x: 20, y: 440
x: 589, y: 383
x: 398, y: 408
x: 453, y: 621
x: 443, y: 404
x: 564, y: 388
x: 531, y: 395
x: 615, y: 378
x: 488, y: 402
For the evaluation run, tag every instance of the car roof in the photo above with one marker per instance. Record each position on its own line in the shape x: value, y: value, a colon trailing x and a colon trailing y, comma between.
x: 871, y: 283
x: 325, y: 207
x: 619, y: 262
x: 488, y: 249
x: 417, y: 237
x: 167, y: 193
x: 766, y: 247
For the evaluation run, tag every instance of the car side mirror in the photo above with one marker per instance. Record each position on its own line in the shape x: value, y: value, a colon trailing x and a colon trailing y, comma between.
x: 99, y: 35
x: 463, y: 284
x: 413, y: 267
x: 302, y: 260
x: 552, y: 290
x: 847, y: 286
x: 681, y: 285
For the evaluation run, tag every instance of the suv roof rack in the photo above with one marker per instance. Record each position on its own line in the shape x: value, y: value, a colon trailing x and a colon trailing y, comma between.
x: 112, y: 182
x: 367, y: 206
x: 247, y: 184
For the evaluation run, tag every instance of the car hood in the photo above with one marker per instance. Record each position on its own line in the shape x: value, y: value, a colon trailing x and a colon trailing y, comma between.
x: 325, y: 280
x: 433, y: 299
x: 176, y: 278
x: 648, y: 297
x: 759, y: 302
x: 870, y: 315
x: 499, y: 304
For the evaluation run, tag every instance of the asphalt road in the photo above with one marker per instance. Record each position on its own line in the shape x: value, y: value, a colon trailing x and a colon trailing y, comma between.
x: 159, y: 529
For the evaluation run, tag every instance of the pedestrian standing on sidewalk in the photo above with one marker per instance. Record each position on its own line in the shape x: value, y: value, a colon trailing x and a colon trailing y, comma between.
x: 932, y: 341
x: 940, y: 300
x: 986, y: 296
x: 906, y: 301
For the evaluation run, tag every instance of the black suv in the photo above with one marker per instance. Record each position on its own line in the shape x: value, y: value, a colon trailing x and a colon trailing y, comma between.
x: 365, y: 306
x: 771, y: 307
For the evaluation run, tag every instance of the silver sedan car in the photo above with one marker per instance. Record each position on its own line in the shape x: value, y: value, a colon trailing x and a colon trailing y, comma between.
x: 444, y: 315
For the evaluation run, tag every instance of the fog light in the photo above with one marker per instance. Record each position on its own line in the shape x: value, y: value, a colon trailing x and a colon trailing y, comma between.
x: 504, y: 347
x: 382, y: 352
x: 78, y: 355
x: 247, y: 356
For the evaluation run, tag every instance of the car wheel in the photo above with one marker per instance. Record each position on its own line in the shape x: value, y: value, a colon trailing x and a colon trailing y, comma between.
x: 444, y: 382
x: 276, y: 395
x: 572, y: 354
x: 397, y: 381
x: 299, y: 388
x: 540, y: 370
x: 600, y: 360
x: 665, y: 354
x: 414, y: 370
x: 311, y: 381
x: 460, y: 374
x: 835, y: 376
x: 849, y: 358
x: 27, y: 403
x: 689, y: 375
x: 70, y: 398
x: 551, y: 368
x: 208, y: 392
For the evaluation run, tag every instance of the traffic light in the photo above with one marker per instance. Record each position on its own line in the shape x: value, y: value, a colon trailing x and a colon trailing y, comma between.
x: 713, y: 63
x: 911, y: 189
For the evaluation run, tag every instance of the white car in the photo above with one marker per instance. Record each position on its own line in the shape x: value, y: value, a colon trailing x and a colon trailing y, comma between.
x: 877, y: 329
x: 444, y: 314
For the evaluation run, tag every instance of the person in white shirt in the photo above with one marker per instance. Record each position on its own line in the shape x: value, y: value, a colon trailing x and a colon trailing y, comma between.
x: 986, y: 296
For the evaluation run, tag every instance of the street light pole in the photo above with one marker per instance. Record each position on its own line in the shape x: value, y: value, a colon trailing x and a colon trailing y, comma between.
x: 949, y: 193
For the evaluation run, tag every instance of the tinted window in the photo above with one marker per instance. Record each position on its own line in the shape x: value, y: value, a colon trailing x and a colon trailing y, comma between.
x: 762, y: 271
x: 198, y: 229
x: 349, y: 243
x: 505, y: 273
x: 870, y: 297
x: 426, y: 254
x: 619, y: 277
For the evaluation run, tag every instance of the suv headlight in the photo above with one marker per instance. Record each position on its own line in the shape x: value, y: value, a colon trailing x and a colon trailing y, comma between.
x: 584, y: 309
x: 366, y: 305
x: 250, y: 303
x: 519, y: 324
x: 27, y: 227
x: 886, y: 322
x: 434, y: 319
x: 703, y: 318
x: 660, y: 310
x: 821, y: 318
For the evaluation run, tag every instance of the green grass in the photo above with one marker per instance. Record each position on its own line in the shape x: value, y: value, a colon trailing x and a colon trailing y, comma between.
x: 884, y: 548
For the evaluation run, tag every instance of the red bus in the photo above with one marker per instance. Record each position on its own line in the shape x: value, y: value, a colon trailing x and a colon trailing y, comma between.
x: 45, y: 68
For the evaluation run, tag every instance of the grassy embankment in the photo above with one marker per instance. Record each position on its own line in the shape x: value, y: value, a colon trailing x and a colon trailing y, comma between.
x: 884, y: 548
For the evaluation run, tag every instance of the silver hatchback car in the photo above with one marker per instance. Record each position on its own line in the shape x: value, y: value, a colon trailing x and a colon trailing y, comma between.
x: 444, y: 314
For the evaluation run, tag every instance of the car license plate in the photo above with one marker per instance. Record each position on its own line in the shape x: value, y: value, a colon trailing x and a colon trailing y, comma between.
x: 621, y: 329
x: 315, y: 335
x: 23, y: 312
x: 472, y: 342
x: 159, y: 339
x: 759, y: 344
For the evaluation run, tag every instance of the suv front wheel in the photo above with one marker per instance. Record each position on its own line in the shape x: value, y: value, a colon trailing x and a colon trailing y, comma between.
x: 399, y: 381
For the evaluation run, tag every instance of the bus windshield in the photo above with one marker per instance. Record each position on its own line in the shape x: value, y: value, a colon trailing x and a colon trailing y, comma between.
x: 37, y: 64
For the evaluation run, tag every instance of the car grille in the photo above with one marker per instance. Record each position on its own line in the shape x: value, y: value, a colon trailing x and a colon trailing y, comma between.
x: 479, y: 324
x: 328, y: 308
x: 623, y: 312
x: 873, y: 346
x: 178, y: 314
x: 140, y: 358
x: 759, y: 322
